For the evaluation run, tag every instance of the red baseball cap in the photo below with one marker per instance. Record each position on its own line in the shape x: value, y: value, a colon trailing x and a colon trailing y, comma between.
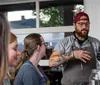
x: 79, y: 15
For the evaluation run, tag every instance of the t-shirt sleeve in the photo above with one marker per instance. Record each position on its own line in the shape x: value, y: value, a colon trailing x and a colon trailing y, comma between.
x: 27, y: 76
x: 60, y: 46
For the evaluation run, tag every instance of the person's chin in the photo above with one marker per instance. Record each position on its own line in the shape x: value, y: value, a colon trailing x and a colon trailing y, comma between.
x: 85, y: 32
x: 15, y: 64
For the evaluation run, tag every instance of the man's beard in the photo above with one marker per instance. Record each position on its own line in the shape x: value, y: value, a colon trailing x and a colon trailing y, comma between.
x: 81, y: 34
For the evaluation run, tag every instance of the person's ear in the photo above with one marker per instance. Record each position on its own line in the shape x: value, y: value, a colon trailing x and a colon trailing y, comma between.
x: 38, y: 47
x: 74, y: 24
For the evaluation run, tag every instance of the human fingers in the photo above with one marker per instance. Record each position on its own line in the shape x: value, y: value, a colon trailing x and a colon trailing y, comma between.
x: 86, y: 52
x: 86, y: 56
x: 82, y: 59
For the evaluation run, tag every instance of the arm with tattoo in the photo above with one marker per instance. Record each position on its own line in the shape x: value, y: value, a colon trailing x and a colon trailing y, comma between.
x: 56, y: 58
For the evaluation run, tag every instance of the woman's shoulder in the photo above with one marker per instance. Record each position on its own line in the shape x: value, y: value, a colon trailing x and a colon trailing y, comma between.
x: 27, y: 70
x: 26, y: 66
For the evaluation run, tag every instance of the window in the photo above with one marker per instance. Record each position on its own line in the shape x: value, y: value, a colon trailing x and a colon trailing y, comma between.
x: 22, y: 19
x: 50, y: 38
x: 42, y: 14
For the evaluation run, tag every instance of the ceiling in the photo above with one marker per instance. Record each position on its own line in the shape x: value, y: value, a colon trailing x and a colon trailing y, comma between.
x: 43, y: 4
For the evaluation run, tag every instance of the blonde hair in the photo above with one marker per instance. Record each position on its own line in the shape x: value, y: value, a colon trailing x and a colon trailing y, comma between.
x: 4, y: 37
x: 12, y: 37
x: 11, y: 73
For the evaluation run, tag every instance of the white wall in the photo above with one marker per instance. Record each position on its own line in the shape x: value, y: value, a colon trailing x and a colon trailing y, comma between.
x: 92, y: 7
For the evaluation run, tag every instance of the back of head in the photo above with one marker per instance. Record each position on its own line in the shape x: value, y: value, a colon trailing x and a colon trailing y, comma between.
x: 78, y: 16
x: 30, y: 43
x: 31, y: 40
x: 4, y: 36
x: 12, y: 37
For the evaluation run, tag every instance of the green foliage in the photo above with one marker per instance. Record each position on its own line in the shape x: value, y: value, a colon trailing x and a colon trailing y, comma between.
x: 55, y: 17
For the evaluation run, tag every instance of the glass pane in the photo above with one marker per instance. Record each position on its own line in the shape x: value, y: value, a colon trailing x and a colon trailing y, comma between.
x: 21, y: 15
x: 52, y: 14
x: 50, y: 39
x: 56, y: 14
x: 22, y: 19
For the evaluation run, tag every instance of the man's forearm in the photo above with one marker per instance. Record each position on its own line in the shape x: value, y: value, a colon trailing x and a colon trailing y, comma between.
x: 56, y: 61
x: 59, y: 59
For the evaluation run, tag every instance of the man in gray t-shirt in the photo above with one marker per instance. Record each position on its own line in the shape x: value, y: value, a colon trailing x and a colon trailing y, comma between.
x: 77, y: 53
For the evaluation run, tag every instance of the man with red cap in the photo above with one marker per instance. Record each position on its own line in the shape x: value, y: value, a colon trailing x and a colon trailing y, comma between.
x: 77, y: 53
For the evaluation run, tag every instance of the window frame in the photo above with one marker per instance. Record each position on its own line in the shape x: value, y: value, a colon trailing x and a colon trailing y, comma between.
x: 42, y: 29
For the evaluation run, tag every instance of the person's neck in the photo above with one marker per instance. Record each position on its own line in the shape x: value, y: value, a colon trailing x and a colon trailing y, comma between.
x: 80, y: 38
x: 35, y: 59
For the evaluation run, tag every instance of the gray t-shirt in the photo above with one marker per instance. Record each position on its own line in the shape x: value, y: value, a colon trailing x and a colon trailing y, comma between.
x: 76, y: 70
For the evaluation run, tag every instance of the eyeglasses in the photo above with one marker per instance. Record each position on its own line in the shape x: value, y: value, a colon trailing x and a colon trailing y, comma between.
x: 81, y: 24
x: 44, y: 44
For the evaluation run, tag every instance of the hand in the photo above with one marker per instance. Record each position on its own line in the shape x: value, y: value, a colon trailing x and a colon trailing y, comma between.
x: 82, y: 55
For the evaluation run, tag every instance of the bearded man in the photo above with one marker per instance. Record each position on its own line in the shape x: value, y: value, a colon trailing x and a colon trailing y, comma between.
x: 77, y: 53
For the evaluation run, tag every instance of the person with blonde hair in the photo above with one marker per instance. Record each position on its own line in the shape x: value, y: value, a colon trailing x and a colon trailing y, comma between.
x: 4, y: 36
x: 12, y: 58
x: 13, y: 50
